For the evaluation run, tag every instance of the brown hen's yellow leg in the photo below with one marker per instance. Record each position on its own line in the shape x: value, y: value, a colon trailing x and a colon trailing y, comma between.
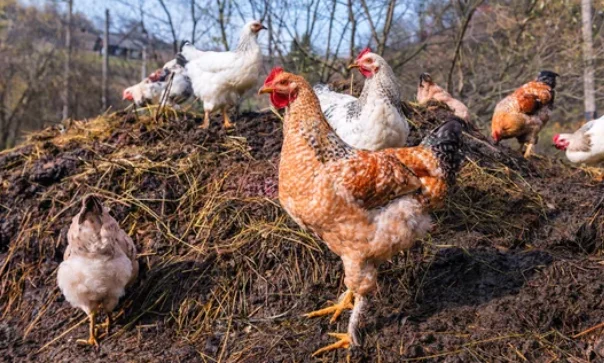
x: 106, y: 325
x: 227, y: 121
x: 527, y: 153
x: 344, y: 342
x: 337, y: 309
x: 206, y: 121
x: 92, y: 339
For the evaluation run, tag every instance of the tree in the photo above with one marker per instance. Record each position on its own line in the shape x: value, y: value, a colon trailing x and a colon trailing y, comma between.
x: 588, y: 59
x: 67, y: 72
x: 105, y: 85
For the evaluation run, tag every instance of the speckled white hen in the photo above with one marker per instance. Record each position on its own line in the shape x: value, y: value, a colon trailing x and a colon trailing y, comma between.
x: 99, y: 262
x: 375, y: 120
x: 219, y: 79
x: 175, y: 83
x: 586, y: 145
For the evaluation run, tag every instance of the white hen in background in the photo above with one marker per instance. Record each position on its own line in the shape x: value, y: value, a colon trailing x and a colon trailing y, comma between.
x: 143, y: 93
x: 219, y: 79
x: 375, y: 120
x: 174, y: 80
x: 100, y: 260
x: 586, y: 145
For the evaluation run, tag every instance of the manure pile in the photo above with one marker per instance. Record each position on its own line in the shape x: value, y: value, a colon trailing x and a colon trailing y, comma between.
x: 512, y: 270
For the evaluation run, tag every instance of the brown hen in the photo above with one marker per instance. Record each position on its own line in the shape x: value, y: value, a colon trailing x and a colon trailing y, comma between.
x: 427, y: 90
x: 366, y: 205
x: 523, y: 114
x: 98, y: 264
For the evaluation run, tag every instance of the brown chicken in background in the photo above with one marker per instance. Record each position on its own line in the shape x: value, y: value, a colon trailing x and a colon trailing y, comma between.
x: 98, y: 264
x: 523, y: 113
x: 366, y: 205
x: 427, y: 90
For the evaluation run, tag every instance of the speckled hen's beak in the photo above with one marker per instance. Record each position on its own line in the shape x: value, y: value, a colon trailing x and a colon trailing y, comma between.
x: 353, y: 65
x: 265, y: 89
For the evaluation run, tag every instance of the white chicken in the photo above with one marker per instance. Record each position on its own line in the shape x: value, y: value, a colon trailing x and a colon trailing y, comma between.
x: 375, y: 120
x: 143, y: 93
x: 174, y: 82
x: 99, y: 262
x: 219, y: 79
x: 586, y: 145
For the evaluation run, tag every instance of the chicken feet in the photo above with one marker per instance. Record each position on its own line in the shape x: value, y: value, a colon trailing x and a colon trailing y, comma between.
x: 227, y: 122
x: 206, y: 120
x: 527, y: 153
x: 344, y: 341
x: 336, y: 309
x: 106, y: 325
x: 92, y: 338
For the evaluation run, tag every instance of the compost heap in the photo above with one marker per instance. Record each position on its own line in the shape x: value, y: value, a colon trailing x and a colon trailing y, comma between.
x: 512, y: 270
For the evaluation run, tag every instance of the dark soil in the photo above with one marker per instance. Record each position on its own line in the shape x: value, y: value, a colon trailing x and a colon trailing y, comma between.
x: 511, y: 272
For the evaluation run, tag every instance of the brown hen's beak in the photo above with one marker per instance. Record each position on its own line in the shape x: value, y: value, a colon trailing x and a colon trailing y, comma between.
x: 262, y: 27
x: 265, y: 89
x: 353, y: 65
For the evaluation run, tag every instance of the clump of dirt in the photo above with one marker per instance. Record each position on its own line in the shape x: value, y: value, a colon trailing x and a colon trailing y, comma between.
x: 511, y: 271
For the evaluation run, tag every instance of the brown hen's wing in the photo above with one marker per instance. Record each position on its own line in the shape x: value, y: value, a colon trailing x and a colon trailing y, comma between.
x: 534, y: 95
x: 375, y: 178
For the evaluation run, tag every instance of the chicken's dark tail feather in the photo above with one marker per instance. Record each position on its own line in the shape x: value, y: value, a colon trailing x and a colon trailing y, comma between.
x: 183, y: 44
x: 446, y: 143
x: 91, y: 208
x: 181, y: 60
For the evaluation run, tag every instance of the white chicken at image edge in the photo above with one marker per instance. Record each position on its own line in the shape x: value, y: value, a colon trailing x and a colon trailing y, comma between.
x: 586, y: 145
x: 99, y: 262
x: 219, y: 79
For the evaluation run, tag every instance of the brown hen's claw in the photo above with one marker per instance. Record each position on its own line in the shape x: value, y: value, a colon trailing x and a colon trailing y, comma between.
x: 337, y: 309
x: 92, y: 338
x: 206, y: 121
x: 527, y: 153
x: 344, y: 342
x: 106, y: 325
x: 227, y: 122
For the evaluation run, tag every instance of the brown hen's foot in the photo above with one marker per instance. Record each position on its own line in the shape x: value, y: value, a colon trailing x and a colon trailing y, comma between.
x: 106, y: 325
x: 92, y: 339
x: 344, y: 342
x: 227, y: 120
x: 527, y: 153
x: 206, y: 121
x: 337, y: 309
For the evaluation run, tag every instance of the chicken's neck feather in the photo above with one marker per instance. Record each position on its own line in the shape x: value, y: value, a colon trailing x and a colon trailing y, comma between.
x: 248, y: 42
x: 304, y: 120
x: 385, y: 85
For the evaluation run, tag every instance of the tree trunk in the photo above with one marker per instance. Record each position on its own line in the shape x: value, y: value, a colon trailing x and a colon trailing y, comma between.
x: 588, y: 59
x: 67, y: 71
x: 471, y: 9
x: 144, y: 63
x: 105, y: 82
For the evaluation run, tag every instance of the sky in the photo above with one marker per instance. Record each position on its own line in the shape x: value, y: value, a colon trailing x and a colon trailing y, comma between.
x: 154, y: 17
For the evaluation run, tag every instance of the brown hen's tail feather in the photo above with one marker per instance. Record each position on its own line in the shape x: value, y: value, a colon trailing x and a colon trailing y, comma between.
x: 446, y: 143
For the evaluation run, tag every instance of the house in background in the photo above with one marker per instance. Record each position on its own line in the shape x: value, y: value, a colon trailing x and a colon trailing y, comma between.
x: 127, y: 46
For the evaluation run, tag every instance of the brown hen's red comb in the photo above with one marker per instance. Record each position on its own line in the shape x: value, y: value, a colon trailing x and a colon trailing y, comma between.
x: 274, y: 73
x: 365, y: 51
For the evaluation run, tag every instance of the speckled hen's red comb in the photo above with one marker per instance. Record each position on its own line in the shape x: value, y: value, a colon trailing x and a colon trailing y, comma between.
x: 365, y: 51
x: 274, y: 73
